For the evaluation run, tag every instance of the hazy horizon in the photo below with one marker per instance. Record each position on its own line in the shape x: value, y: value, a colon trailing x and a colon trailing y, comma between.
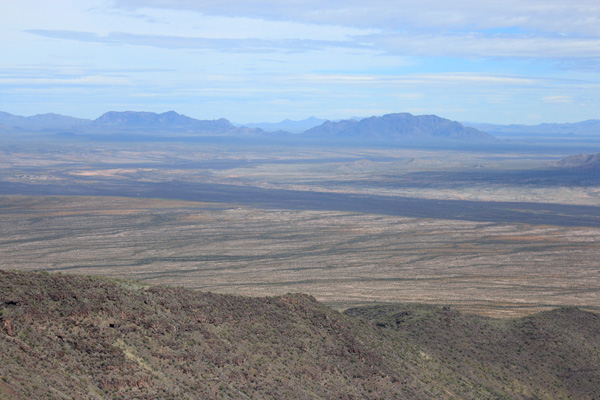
x: 286, y: 119
x: 247, y: 61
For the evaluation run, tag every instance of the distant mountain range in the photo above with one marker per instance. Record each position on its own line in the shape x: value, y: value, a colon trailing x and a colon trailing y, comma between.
x: 125, y: 121
x: 400, y: 127
x: 40, y: 122
x: 168, y: 121
x: 589, y: 127
x: 287, y: 125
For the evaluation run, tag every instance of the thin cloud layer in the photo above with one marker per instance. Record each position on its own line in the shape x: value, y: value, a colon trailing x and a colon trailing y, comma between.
x: 548, y: 28
x: 502, y: 62
x: 198, y: 43
x: 455, y: 45
x: 577, y: 17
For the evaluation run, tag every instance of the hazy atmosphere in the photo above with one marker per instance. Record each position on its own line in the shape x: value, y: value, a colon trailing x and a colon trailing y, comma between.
x: 242, y: 199
x: 252, y: 61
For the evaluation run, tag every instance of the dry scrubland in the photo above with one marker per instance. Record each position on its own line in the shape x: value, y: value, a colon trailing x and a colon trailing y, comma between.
x: 69, y: 336
x: 441, y: 174
x: 343, y: 259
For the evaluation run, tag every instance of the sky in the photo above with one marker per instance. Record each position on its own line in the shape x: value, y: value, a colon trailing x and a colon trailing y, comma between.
x: 502, y: 62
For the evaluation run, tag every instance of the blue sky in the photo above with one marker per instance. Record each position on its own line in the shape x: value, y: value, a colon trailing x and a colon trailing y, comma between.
x: 251, y: 61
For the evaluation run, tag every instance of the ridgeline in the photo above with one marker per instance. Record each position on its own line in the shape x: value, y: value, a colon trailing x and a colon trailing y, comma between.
x: 67, y: 336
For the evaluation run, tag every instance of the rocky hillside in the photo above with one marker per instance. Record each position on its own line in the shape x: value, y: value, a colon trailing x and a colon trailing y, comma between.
x: 64, y: 337
x: 551, y: 355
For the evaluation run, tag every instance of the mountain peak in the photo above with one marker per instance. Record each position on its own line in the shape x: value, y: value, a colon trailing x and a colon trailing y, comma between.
x: 170, y: 120
x: 400, y: 126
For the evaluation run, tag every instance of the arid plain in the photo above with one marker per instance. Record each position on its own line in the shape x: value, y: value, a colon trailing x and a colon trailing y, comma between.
x: 125, y: 211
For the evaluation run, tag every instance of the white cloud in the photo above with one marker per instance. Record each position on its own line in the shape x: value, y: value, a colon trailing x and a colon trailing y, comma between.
x: 470, y: 45
x: 425, y: 79
x: 84, y: 80
x: 200, y: 43
x: 557, y: 99
x: 434, y: 28
x: 482, y: 45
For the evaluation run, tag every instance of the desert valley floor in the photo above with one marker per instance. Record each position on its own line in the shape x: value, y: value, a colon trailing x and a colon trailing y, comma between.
x: 342, y: 258
x: 495, y: 232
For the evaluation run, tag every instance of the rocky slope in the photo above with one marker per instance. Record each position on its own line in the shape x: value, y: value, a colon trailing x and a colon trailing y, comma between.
x: 64, y: 337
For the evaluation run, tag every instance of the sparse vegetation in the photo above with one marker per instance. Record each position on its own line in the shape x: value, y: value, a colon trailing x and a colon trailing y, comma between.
x: 89, y: 337
x: 343, y: 259
x: 351, y: 226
